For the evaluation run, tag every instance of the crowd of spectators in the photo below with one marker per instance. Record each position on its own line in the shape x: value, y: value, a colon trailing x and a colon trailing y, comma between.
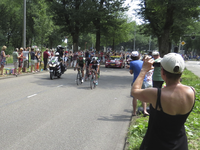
x: 21, y: 57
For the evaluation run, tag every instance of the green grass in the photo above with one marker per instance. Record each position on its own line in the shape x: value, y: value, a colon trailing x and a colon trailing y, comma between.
x: 138, y: 127
x: 9, y: 60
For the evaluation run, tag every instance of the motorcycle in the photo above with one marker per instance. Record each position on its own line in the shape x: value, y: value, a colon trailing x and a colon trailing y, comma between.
x: 54, y: 68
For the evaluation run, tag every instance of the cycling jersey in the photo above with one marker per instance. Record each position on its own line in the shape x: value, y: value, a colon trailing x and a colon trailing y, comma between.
x: 81, y: 61
x: 94, y: 64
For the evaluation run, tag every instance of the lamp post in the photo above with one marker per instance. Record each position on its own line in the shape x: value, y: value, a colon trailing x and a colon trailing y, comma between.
x: 24, y: 26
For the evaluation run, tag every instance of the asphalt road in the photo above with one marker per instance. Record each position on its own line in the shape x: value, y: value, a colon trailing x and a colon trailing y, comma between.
x: 37, y: 113
x: 193, y: 66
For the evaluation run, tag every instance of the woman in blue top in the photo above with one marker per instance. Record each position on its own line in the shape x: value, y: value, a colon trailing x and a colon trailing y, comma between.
x: 169, y: 106
x: 135, y: 68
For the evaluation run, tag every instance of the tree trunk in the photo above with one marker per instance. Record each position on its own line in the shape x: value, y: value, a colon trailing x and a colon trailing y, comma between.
x: 75, y: 43
x: 164, y: 43
x: 98, y: 36
x: 113, y: 45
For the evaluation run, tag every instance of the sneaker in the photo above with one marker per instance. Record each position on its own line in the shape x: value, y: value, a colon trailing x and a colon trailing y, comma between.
x: 82, y: 80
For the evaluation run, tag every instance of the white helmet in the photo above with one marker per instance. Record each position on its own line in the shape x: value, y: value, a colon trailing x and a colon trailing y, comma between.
x: 57, y: 54
x: 94, y: 58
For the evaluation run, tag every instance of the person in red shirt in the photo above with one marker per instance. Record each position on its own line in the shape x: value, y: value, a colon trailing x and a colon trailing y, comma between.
x: 45, y: 58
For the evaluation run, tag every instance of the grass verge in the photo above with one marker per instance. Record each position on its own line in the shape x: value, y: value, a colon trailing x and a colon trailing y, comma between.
x: 139, y: 125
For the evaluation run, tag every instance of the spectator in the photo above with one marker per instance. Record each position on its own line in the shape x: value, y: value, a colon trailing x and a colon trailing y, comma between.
x: 20, y: 60
x: 157, y: 79
x: 70, y: 56
x: 45, y: 58
x: 15, y: 60
x: 52, y: 53
x: 169, y: 106
x: 33, y: 60
x: 3, y: 58
x: 26, y: 58
x: 149, y: 75
x: 135, y: 68
x: 37, y: 60
x: 175, y: 49
x: 75, y: 59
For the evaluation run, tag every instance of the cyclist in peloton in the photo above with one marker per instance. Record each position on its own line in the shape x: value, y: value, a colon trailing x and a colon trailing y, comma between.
x: 81, y: 63
x: 94, y: 64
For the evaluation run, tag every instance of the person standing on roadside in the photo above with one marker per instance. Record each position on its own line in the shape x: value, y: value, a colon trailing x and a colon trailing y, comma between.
x: 45, y: 58
x: 38, y: 57
x: 33, y: 60
x: 169, y: 106
x: 75, y: 59
x: 15, y: 60
x: 157, y: 79
x: 135, y: 68
x: 25, y: 60
x: 3, y: 58
x: 20, y: 60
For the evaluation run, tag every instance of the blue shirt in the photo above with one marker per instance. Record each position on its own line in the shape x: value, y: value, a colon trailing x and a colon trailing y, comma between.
x: 136, y: 66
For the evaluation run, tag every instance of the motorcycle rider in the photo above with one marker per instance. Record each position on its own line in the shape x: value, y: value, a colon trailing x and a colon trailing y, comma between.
x: 60, y: 58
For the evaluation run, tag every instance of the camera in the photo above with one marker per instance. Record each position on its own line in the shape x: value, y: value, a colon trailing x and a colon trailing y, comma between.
x: 156, y: 64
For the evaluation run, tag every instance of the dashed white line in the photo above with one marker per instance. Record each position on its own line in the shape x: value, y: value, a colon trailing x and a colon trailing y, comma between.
x: 31, y: 95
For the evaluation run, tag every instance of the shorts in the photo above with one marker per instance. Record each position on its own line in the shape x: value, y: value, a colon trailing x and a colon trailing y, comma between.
x: 25, y: 63
x: 143, y: 87
x: 81, y: 67
x: 33, y: 62
x: 15, y: 64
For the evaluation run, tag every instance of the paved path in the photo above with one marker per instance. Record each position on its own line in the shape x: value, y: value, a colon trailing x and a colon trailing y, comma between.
x: 193, y: 66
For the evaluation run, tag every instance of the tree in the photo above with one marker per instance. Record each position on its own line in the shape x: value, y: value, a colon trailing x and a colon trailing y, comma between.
x: 101, y: 12
x: 71, y: 17
x: 168, y: 19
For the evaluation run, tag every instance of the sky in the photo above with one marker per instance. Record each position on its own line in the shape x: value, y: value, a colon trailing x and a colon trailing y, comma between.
x: 133, y: 5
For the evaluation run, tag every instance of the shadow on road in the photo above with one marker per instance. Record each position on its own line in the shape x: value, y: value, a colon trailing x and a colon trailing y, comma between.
x: 117, y: 117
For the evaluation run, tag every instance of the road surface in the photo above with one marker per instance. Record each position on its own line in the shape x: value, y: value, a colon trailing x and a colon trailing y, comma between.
x: 37, y: 113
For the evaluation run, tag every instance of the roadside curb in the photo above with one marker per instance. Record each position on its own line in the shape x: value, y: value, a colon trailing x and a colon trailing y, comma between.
x: 25, y: 74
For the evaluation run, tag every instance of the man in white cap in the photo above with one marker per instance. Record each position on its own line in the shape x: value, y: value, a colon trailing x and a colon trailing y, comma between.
x: 135, y: 68
x: 157, y: 79
x: 169, y: 106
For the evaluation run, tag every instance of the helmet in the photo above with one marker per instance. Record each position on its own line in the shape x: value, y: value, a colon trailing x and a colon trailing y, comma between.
x: 94, y: 58
x: 57, y: 54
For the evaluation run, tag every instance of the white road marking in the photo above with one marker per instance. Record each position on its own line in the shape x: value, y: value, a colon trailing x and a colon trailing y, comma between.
x: 60, y: 86
x: 31, y: 95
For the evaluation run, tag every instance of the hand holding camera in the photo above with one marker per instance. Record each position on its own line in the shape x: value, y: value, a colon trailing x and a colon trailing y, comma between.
x: 147, y: 63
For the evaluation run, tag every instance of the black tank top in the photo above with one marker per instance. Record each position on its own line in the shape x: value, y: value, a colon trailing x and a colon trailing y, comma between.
x: 165, y: 132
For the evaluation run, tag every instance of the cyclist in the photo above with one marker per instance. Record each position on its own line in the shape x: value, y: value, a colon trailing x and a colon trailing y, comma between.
x: 94, y: 65
x: 87, y: 62
x: 81, y: 64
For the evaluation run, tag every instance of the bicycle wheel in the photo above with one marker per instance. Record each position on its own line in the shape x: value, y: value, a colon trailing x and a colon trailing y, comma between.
x: 78, y: 79
x: 92, y: 81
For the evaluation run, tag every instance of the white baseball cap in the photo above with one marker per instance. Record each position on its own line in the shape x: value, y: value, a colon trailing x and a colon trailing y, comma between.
x: 155, y: 53
x: 135, y: 54
x: 171, y: 61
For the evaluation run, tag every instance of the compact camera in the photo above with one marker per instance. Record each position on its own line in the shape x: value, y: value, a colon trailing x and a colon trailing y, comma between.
x: 156, y: 64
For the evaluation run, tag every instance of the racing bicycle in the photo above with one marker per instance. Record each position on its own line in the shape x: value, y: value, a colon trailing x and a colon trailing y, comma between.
x: 92, y: 79
x: 79, y: 77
